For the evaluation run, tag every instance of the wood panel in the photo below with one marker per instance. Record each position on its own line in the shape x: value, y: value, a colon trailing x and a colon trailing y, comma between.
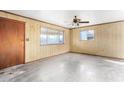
x: 109, y: 40
x: 11, y: 42
x: 33, y: 50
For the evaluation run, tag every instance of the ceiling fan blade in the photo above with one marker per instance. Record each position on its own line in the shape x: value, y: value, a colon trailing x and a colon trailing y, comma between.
x: 84, y: 22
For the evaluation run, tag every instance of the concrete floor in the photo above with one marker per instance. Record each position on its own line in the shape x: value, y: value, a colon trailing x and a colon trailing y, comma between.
x: 69, y: 67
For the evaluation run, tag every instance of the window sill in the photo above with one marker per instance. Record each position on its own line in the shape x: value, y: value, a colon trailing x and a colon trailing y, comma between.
x: 51, y: 44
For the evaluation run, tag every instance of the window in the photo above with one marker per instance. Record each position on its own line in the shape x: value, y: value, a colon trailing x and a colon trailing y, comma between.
x: 49, y: 36
x: 87, y: 35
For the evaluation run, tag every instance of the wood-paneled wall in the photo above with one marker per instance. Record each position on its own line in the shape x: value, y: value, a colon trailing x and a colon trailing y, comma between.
x: 109, y: 40
x: 33, y: 50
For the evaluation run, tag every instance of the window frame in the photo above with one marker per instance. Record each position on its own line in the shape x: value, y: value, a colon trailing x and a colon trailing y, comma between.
x: 86, y: 31
x: 41, y: 44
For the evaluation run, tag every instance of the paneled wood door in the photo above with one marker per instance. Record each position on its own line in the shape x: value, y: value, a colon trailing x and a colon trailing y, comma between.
x: 12, y: 45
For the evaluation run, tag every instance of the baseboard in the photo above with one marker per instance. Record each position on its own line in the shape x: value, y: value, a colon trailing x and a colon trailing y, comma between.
x: 98, y: 55
x: 45, y: 58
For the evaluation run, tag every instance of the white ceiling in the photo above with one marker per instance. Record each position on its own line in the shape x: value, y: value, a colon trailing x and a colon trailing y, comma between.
x: 64, y: 17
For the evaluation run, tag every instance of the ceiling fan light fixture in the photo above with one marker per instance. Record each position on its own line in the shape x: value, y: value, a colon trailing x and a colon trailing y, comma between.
x: 77, y: 21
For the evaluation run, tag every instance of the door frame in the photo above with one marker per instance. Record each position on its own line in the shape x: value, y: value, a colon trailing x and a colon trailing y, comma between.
x: 14, y: 20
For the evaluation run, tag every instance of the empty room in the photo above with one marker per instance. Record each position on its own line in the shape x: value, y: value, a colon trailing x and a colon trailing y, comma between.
x: 61, y: 46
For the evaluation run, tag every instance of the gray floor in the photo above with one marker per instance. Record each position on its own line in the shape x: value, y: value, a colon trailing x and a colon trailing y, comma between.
x: 69, y: 67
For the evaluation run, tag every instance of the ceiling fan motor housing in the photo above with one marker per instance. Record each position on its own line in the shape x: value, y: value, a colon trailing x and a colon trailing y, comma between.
x: 75, y: 20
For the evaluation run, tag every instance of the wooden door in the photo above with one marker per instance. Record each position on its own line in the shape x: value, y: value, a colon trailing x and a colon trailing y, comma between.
x: 12, y: 45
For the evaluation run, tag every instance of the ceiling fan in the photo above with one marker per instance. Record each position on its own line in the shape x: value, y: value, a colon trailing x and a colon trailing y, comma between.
x: 77, y: 21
